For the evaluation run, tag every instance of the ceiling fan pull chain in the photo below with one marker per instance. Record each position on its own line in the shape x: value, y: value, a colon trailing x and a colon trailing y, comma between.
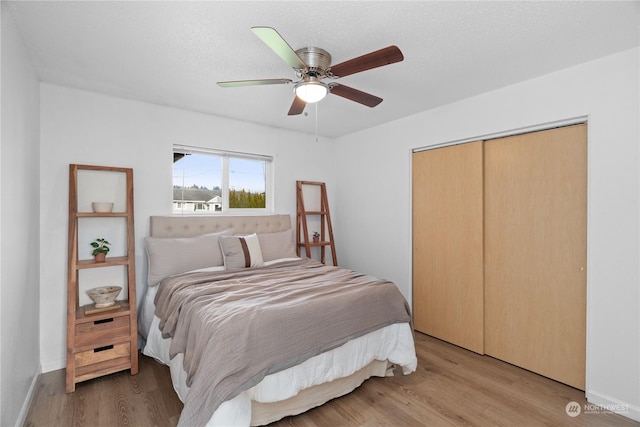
x: 316, y: 122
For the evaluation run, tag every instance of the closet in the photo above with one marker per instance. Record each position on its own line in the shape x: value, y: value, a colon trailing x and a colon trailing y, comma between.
x: 499, y: 258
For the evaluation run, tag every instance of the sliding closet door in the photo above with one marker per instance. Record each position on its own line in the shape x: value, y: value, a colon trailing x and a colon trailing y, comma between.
x: 447, y: 244
x: 535, y: 252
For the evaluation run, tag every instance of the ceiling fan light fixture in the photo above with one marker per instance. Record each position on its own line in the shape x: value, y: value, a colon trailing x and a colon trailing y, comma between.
x: 311, y: 91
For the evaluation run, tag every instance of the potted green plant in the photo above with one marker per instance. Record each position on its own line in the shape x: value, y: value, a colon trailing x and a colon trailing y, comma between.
x: 100, y: 249
x: 316, y: 237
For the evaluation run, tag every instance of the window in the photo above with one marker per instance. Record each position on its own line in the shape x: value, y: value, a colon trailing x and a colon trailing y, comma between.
x: 211, y: 181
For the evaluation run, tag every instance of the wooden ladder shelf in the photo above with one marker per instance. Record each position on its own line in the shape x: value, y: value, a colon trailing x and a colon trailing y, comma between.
x: 100, y: 340
x: 302, y: 229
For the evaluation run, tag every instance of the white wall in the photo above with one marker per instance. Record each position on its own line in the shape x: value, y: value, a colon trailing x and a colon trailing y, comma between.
x: 374, y: 211
x: 89, y: 128
x: 19, y: 227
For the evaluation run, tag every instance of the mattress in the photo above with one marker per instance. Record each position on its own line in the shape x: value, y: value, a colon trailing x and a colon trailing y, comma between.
x: 393, y: 344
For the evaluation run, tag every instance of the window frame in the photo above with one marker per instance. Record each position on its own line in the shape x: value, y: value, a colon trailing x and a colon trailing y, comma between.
x: 226, y: 155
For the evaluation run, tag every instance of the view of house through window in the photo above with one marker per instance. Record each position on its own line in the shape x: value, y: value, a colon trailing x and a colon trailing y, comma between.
x: 207, y: 181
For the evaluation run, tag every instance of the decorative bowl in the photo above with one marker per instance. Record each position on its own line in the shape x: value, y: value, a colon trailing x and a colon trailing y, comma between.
x: 104, y: 296
x: 102, y: 206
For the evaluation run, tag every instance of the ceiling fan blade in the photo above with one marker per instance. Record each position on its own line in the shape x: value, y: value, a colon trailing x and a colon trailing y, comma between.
x: 354, y: 95
x: 385, y: 56
x: 297, y: 107
x: 241, y: 83
x: 275, y: 41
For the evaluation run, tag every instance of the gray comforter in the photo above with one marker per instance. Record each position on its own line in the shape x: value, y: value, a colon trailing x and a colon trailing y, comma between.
x: 236, y: 326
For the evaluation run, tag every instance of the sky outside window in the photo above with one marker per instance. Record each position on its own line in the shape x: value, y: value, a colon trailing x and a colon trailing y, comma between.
x: 247, y: 174
x: 205, y: 171
x: 202, y: 171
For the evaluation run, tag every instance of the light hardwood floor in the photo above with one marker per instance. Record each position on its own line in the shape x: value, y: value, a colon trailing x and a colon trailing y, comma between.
x: 451, y: 387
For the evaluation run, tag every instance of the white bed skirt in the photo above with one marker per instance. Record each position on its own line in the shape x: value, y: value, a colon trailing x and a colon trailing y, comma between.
x: 392, y: 344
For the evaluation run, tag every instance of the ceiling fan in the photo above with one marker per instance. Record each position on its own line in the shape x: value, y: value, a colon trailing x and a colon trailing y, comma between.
x: 312, y: 65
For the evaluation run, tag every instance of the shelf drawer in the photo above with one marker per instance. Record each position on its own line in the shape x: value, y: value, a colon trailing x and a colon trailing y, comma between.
x: 104, y: 330
x: 102, y: 354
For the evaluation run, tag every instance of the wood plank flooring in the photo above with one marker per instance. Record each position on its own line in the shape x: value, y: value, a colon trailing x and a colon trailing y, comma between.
x: 451, y: 387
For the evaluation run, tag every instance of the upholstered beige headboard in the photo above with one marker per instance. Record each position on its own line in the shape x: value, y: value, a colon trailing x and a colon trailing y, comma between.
x: 191, y: 226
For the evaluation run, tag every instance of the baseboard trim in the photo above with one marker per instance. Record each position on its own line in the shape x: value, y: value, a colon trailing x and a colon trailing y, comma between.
x: 24, y: 411
x: 613, y: 405
x: 54, y: 365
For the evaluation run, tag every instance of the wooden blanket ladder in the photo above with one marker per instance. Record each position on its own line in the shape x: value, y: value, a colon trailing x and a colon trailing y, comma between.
x: 302, y: 228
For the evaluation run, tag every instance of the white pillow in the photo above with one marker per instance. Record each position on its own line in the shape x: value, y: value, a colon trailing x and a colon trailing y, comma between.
x: 241, y: 251
x: 171, y: 256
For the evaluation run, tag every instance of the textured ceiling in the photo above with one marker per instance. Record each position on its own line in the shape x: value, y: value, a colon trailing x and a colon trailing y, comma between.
x: 173, y: 53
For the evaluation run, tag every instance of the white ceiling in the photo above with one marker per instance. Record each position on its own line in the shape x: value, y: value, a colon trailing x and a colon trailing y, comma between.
x: 173, y: 53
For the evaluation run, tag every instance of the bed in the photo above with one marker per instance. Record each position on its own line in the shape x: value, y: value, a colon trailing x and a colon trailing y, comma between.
x: 237, y: 362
